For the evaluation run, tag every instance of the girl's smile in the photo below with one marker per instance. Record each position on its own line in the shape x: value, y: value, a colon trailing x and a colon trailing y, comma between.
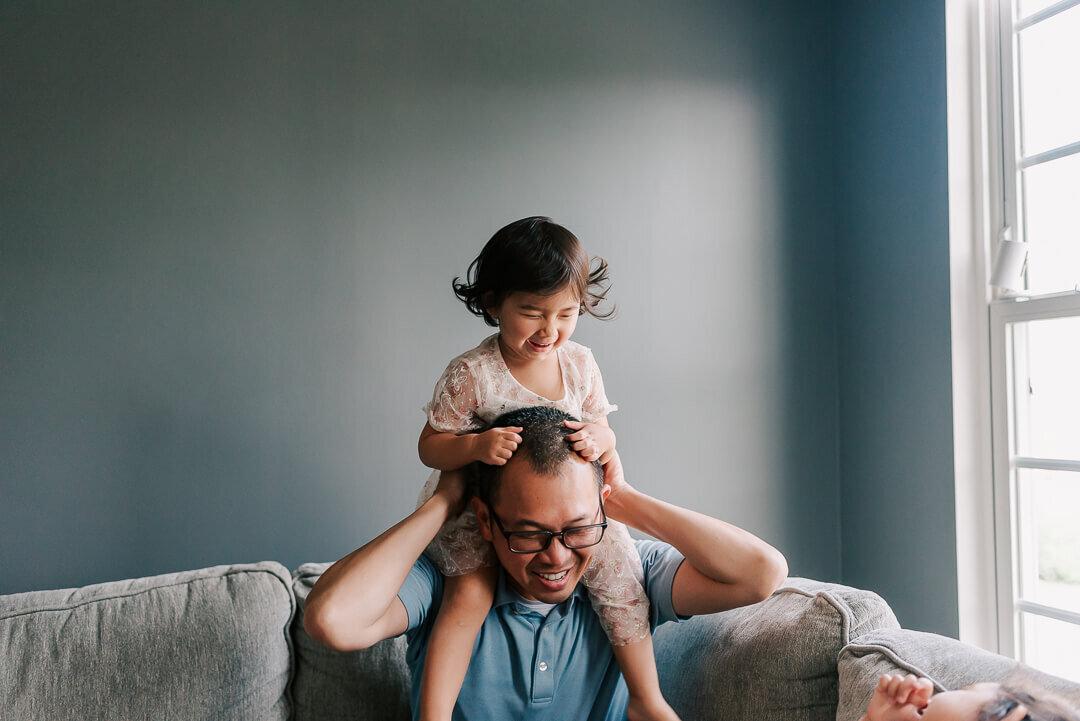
x: 532, y: 326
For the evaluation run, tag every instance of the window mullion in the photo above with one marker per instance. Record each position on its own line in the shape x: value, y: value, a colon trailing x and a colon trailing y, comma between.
x: 1059, y: 614
x: 1045, y: 14
x: 1047, y: 464
x: 1010, y: 123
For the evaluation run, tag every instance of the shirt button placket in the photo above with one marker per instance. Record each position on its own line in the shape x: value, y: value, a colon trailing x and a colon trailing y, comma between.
x: 543, y: 673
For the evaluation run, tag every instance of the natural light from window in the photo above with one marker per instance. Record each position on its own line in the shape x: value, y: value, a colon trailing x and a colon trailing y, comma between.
x: 1037, y: 332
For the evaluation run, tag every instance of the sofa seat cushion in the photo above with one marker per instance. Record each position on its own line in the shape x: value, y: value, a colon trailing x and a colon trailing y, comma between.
x: 367, y: 685
x: 212, y: 643
x: 774, y: 660
x: 947, y: 662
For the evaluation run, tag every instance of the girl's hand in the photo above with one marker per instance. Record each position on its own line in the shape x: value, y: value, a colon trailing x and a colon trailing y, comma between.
x: 592, y: 441
x: 899, y: 698
x: 495, y: 447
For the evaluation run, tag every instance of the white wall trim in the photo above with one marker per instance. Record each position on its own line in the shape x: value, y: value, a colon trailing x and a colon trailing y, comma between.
x: 971, y: 34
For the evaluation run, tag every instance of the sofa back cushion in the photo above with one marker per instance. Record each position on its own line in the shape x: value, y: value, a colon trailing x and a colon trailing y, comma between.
x: 204, y: 644
x: 774, y: 660
x: 947, y: 662
x: 368, y: 685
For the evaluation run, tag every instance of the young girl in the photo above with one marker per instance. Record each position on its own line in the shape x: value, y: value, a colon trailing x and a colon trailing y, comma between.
x: 909, y: 698
x: 531, y: 280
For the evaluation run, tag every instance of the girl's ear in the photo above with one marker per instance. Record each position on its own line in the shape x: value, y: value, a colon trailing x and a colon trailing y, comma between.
x: 488, y: 301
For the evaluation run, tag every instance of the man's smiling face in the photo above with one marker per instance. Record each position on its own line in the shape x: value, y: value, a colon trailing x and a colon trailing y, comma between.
x: 530, y: 501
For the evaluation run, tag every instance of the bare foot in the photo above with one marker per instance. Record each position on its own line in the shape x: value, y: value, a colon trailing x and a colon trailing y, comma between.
x: 650, y: 709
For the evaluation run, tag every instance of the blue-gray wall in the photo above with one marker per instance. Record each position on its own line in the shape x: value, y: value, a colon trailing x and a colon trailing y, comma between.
x: 895, y: 425
x: 228, y: 234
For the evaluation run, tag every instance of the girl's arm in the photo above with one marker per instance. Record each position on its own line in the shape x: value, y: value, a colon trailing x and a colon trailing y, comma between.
x: 446, y: 452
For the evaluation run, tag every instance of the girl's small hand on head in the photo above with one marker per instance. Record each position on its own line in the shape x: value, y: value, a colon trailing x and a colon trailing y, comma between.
x: 592, y: 441
x: 496, y: 446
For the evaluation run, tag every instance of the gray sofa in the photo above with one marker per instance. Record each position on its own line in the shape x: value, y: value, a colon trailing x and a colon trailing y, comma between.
x: 228, y: 643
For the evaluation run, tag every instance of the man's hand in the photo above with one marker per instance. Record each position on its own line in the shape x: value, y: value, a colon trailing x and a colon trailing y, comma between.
x: 614, y: 479
x: 592, y: 441
x: 494, y: 447
x: 452, y: 487
x: 899, y: 698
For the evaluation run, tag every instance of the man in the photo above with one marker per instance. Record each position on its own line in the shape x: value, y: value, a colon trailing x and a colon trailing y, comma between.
x: 541, y: 653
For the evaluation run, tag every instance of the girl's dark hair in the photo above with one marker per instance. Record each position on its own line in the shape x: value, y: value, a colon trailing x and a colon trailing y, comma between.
x: 532, y: 255
x: 1041, y: 705
x: 543, y: 444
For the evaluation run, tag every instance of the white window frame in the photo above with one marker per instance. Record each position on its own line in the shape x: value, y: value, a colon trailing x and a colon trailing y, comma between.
x: 1003, y: 313
x: 983, y: 203
x: 972, y: 85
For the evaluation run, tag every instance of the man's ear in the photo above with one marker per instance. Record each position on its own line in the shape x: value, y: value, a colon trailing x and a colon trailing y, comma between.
x: 483, y: 519
x: 605, y: 491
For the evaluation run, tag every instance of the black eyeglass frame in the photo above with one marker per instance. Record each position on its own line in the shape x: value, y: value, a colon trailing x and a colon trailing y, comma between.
x: 552, y: 534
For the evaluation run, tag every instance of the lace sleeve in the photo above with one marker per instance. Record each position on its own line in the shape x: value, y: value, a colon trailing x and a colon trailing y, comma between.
x: 596, y: 405
x: 453, y: 405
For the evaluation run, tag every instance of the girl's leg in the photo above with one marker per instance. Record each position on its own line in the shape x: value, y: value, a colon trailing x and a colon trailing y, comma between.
x: 638, y: 665
x: 616, y: 588
x: 465, y: 603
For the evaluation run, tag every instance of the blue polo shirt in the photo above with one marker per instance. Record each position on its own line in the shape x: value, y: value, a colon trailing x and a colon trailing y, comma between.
x: 527, y: 666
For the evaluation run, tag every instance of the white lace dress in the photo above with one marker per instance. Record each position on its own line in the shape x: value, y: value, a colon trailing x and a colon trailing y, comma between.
x: 476, y: 388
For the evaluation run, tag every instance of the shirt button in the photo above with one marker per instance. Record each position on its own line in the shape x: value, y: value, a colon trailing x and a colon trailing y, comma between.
x: 542, y: 666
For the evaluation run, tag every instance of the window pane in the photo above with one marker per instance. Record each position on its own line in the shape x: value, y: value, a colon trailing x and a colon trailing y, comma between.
x: 1048, y: 393
x: 1052, y: 223
x: 1050, y: 645
x: 1049, y: 86
x: 1048, y: 504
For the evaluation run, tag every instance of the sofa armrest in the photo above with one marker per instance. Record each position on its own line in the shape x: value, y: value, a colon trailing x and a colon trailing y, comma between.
x: 773, y: 660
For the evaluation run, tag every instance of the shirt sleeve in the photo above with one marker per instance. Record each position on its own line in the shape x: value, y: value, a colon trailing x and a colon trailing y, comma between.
x: 420, y: 591
x: 660, y: 561
x: 453, y: 404
x: 595, y: 405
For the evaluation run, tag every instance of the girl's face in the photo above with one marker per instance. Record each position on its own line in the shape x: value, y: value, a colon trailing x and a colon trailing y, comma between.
x: 532, y: 327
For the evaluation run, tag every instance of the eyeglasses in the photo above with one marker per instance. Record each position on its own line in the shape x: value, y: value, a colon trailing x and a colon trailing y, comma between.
x: 537, y: 541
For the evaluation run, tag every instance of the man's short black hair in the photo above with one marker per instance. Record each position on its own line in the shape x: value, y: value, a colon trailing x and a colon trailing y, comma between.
x: 543, y: 444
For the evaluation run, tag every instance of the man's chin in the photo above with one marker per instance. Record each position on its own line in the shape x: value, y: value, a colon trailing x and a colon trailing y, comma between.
x: 543, y: 592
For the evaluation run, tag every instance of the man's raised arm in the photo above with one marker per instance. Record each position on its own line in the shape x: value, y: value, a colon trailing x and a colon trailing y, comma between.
x: 725, y: 566
x: 354, y: 604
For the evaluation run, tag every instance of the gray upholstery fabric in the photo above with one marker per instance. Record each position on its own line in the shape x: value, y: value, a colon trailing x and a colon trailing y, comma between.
x: 773, y: 661
x: 368, y: 685
x: 204, y: 644
x: 216, y: 644
x: 947, y: 662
